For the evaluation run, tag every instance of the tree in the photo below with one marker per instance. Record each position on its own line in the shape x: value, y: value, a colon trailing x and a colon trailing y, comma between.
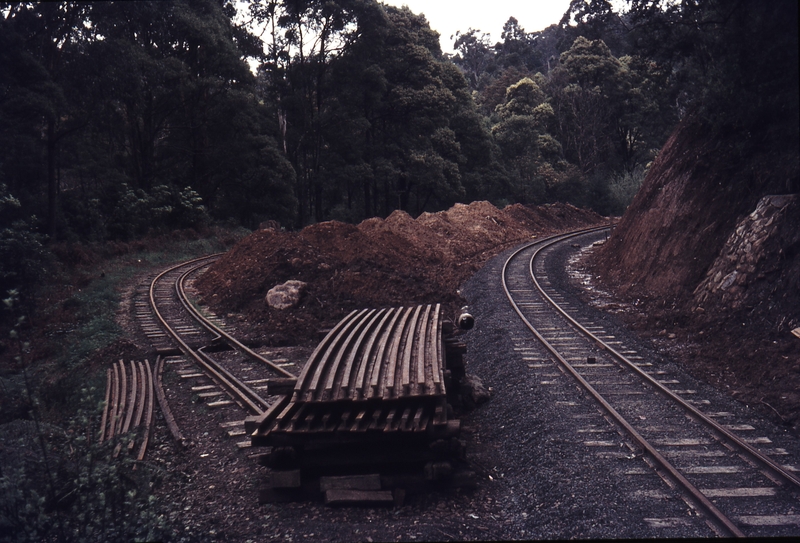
x: 474, y: 55
x: 610, y: 112
x: 45, y: 42
x: 523, y: 136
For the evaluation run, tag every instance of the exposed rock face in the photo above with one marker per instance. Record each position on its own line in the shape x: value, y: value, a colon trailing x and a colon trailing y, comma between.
x: 707, y: 252
x: 756, y: 249
x: 694, y: 196
x: 286, y: 295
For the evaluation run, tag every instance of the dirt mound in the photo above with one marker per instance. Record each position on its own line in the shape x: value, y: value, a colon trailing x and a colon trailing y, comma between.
x: 380, y: 262
x: 700, y: 252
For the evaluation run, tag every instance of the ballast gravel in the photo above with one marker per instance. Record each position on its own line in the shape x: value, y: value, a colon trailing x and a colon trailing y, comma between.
x: 539, y: 476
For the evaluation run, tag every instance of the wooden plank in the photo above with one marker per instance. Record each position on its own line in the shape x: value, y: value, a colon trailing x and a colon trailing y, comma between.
x: 280, y: 386
x: 285, y: 479
x: 350, y: 482
x: 221, y: 403
x: 343, y: 497
x: 123, y: 399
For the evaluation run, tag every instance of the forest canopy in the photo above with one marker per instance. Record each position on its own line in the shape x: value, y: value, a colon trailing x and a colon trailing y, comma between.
x: 122, y: 118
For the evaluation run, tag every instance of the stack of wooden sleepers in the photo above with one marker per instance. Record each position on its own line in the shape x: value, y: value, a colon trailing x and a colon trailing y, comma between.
x: 371, y: 404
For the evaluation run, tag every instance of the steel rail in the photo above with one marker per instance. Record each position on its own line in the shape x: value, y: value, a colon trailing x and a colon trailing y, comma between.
x: 754, y: 453
x: 698, y: 497
x: 208, y: 325
x: 237, y: 389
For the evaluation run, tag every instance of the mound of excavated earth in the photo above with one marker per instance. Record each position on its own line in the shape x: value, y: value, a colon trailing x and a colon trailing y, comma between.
x: 395, y: 261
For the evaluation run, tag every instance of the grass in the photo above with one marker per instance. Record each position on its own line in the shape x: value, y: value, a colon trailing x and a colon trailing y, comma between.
x: 80, y: 319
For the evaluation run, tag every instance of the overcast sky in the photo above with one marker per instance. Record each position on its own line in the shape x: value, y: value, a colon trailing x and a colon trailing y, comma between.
x: 448, y: 16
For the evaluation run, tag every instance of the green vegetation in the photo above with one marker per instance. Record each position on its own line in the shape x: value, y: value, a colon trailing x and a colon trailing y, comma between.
x: 119, y: 118
x: 56, y: 482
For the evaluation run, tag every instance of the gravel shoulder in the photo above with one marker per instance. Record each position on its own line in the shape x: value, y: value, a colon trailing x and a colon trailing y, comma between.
x: 537, y: 479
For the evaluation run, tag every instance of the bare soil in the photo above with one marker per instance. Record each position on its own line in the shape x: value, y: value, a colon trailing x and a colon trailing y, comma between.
x: 381, y: 262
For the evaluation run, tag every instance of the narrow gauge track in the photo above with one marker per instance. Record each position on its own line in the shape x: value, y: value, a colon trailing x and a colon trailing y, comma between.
x: 195, y: 335
x: 735, y: 486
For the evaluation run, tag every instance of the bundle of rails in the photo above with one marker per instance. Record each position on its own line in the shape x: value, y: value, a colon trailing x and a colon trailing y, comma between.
x: 128, y: 408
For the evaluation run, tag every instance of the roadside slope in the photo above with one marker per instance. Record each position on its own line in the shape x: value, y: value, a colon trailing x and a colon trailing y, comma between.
x: 709, y: 253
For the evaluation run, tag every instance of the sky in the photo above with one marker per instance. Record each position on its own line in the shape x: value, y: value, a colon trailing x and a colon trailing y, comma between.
x: 449, y: 16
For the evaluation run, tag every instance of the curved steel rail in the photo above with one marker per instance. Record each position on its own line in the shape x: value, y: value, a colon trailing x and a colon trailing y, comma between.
x: 248, y: 398
x: 776, y: 469
x: 698, y: 497
x: 208, y: 325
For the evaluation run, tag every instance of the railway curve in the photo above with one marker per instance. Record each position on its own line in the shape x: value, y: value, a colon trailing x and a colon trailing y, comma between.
x: 659, y: 421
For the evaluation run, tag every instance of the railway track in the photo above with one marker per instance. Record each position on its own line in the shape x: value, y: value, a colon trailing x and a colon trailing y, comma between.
x: 737, y: 482
x: 200, y: 349
x: 128, y: 407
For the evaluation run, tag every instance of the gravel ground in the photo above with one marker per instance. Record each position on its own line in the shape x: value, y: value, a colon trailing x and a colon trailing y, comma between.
x: 537, y: 479
x: 549, y: 482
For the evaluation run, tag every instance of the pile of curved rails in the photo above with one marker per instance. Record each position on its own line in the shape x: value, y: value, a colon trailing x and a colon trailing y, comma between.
x: 181, y: 335
x: 713, y: 464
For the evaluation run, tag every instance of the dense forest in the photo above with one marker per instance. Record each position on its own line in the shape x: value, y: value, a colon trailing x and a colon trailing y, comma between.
x: 131, y: 125
x: 123, y: 118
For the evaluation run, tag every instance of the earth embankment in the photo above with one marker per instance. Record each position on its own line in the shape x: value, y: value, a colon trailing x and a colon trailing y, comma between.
x: 380, y: 262
x: 709, y: 255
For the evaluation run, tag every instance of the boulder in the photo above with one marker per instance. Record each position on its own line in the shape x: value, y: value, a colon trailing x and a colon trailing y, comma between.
x: 286, y: 295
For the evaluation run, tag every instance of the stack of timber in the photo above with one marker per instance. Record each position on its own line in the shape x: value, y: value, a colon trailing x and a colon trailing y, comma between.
x: 370, y: 416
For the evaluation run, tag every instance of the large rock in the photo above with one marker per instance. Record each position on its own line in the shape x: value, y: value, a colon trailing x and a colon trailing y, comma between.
x: 286, y: 295
x: 760, y: 247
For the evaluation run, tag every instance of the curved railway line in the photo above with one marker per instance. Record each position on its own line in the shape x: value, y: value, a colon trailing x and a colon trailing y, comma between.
x: 739, y: 489
x: 203, y: 351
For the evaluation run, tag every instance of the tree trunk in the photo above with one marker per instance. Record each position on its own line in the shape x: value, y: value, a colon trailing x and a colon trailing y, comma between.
x: 52, y: 181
